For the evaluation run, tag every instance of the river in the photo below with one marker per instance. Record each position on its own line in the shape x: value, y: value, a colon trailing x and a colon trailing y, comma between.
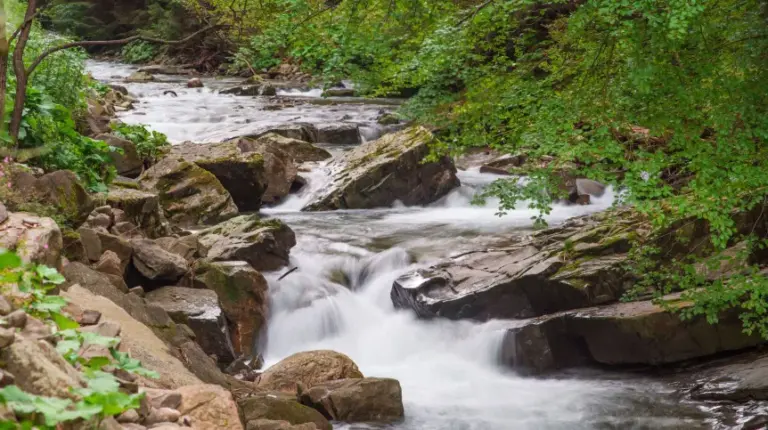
x: 449, y: 370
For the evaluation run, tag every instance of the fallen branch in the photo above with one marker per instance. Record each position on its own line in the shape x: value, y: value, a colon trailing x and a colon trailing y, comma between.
x: 288, y: 273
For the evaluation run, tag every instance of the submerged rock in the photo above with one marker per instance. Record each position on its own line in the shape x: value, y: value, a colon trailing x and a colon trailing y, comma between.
x: 264, y: 244
x: 371, y: 400
x: 140, y: 76
x: 189, y: 194
x: 308, y: 369
x: 572, y: 266
x: 378, y: 173
x: 339, y: 92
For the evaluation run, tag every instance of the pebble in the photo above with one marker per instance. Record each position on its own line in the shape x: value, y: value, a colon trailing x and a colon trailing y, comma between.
x: 129, y: 416
x: 162, y: 415
x: 7, y: 336
x: 89, y: 317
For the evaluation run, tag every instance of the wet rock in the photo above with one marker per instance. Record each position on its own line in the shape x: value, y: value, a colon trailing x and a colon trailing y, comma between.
x: 339, y: 92
x: 388, y: 119
x: 578, y: 264
x: 156, y: 264
x: 338, y: 133
x: 200, y: 310
x: 280, y: 407
x: 110, y: 264
x: 189, y: 194
x: 139, y: 76
x: 378, y: 173
x: 34, y: 239
x: 162, y: 69
x: 264, y: 244
x: 195, y: 83
x: 372, y: 400
x: 278, y: 425
x: 251, y: 90
x: 242, y: 294
x: 308, y: 368
x: 119, y: 88
x: 740, y: 380
x: 140, y: 208
x: 39, y: 369
x: 299, y: 150
x: 127, y: 161
x: 635, y: 333
x: 209, y: 407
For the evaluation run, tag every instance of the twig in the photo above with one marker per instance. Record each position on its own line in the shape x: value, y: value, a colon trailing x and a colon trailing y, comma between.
x: 288, y: 273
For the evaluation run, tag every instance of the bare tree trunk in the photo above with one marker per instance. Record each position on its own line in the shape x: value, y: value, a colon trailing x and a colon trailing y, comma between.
x: 4, y: 47
x: 21, y: 73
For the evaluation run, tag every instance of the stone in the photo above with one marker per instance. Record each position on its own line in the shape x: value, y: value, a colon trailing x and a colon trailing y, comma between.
x: 189, y: 195
x: 243, y: 295
x: 120, y: 246
x: 63, y: 190
x: 264, y: 243
x: 301, y: 151
x: 104, y: 328
x: 139, y: 76
x: 280, y: 407
x: 388, y: 119
x: 252, y: 90
x: 156, y: 264
x: 119, y: 88
x: 308, y: 369
x: 162, y: 415
x: 622, y: 334
x: 164, y: 69
x: 127, y: 161
x: 589, y: 187
x: 34, y: 239
x: 140, y: 208
x: 200, y: 310
x: 5, y: 306
x: 163, y: 398
x: 133, y: 426
x: 278, y: 425
x: 339, y: 92
x: 90, y: 242
x: 126, y: 229
x: 7, y: 336
x: 96, y: 282
x: 17, y: 319
x: 109, y: 423
x: 129, y: 416
x: 209, y: 407
x: 138, y: 291
x: 97, y: 220
x: 38, y: 370
x: 195, y: 83
x: 188, y: 247
x: 89, y: 317
x: 390, y: 169
x: 371, y: 400
x: 578, y: 264
x: 3, y: 213
x: 35, y: 329
x: 6, y: 379
x: 110, y: 264
x: 138, y: 339
x: 338, y: 133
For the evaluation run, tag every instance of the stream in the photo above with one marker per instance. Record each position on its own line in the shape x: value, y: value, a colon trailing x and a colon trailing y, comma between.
x: 339, y: 298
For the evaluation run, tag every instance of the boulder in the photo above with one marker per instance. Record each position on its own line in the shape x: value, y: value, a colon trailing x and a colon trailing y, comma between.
x: 195, y: 83
x: 210, y: 407
x: 200, y: 310
x: 127, y: 161
x: 280, y: 407
x: 634, y: 333
x: 188, y: 247
x: 35, y: 239
x: 61, y: 190
x: 742, y: 379
x: 372, y: 400
x: 263, y: 243
x: 577, y: 264
x: 308, y: 369
x: 109, y: 242
x: 390, y: 169
x: 137, y: 339
x: 278, y: 425
x: 140, y: 76
x: 189, y: 194
x: 38, y: 369
x: 251, y: 90
x: 141, y: 208
x: 156, y: 264
x: 107, y: 285
x: 299, y: 150
x: 339, y: 92
x: 243, y: 296
x: 109, y: 263
x: 337, y: 133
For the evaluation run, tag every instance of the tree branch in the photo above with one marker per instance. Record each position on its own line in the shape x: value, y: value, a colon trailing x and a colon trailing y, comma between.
x: 26, y: 22
x: 70, y: 45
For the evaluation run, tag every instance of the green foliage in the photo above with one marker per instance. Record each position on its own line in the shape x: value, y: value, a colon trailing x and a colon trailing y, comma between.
x: 102, y: 396
x: 149, y: 144
x: 139, y: 52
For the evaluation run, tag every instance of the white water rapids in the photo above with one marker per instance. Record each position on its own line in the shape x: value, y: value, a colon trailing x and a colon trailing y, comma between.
x: 449, y: 372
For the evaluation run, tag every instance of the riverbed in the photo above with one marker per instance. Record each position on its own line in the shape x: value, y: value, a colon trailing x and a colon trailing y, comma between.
x: 339, y: 298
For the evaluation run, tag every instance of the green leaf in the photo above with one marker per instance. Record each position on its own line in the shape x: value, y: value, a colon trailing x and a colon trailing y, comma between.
x: 9, y: 260
x: 67, y: 346
x: 63, y: 322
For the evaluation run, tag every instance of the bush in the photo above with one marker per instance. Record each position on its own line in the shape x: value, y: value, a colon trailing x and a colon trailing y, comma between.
x: 149, y: 144
x: 139, y: 52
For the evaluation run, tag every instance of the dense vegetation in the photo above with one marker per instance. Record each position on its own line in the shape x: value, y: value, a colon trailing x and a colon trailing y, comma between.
x: 665, y: 100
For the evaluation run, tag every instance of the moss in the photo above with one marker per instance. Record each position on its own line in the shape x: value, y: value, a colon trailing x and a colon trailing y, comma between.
x: 121, y: 183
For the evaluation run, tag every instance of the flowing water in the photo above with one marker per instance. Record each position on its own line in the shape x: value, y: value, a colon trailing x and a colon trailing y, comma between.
x: 347, y: 260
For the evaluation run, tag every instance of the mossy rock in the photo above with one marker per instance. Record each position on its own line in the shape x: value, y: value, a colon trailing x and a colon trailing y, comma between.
x: 280, y: 407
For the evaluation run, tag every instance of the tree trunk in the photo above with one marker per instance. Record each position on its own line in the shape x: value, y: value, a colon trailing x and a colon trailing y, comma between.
x: 21, y: 73
x: 3, y: 63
